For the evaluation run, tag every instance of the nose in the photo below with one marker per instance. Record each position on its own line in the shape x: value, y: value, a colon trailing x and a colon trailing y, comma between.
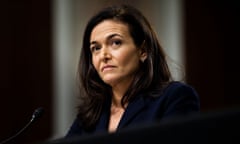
x: 105, y: 54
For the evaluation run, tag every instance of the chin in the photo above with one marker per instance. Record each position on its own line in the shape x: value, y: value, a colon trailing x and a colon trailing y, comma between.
x: 110, y: 82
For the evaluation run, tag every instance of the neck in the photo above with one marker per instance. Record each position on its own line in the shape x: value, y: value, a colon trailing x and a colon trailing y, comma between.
x: 118, y: 92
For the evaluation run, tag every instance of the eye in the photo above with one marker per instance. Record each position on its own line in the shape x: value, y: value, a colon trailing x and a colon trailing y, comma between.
x: 95, y: 48
x: 116, y: 43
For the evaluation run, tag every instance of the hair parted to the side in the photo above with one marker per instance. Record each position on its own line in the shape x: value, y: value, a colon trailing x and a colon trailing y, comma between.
x: 152, y: 75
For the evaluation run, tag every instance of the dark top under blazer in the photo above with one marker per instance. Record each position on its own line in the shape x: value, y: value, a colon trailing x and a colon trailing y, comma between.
x: 176, y: 99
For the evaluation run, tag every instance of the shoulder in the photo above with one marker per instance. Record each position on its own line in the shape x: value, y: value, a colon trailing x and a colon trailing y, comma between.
x: 75, y: 129
x: 177, y: 87
x: 176, y: 98
x: 180, y: 97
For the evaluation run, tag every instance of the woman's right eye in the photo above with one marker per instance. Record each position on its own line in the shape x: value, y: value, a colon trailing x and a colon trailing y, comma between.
x: 95, y: 48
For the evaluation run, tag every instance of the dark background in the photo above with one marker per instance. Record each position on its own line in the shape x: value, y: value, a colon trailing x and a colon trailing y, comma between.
x: 211, y: 35
x: 212, y: 41
x: 25, y: 68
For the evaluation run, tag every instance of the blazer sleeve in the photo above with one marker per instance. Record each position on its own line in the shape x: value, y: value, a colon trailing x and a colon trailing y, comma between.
x: 75, y: 129
x: 181, y: 99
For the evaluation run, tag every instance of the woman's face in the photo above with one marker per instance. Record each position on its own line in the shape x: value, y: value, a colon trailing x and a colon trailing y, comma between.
x: 114, y: 54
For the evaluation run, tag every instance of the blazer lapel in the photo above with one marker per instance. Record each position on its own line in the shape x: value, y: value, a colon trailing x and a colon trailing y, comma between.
x: 131, y: 111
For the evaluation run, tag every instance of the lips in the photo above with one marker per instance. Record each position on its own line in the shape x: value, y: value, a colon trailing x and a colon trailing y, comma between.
x: 107, y: 67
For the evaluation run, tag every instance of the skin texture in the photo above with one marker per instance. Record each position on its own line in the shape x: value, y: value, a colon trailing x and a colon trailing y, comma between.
x: 114, y: 54
x: 116, y: 59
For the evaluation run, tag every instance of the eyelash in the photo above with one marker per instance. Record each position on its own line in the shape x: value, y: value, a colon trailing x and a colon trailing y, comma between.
x: 112, y: 42
x: 116, y: 42
x: 94, y: 48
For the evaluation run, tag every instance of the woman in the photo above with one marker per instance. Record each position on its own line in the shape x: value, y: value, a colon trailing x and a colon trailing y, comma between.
x: 124, y: 77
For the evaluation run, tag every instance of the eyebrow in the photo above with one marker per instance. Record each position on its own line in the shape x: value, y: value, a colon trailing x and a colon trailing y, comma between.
x: 109, y: 37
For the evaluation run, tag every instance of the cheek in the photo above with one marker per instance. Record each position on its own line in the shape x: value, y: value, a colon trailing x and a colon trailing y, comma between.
x: 95, y: 63
x: 128, y: 60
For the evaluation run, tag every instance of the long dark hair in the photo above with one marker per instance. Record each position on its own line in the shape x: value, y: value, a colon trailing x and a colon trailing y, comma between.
x: 152, y: 75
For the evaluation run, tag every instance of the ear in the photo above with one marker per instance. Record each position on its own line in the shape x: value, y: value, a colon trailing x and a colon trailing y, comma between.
x: 142, y: 54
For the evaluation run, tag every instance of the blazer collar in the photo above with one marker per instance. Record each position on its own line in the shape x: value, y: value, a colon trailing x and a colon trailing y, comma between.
x: 131, y: 111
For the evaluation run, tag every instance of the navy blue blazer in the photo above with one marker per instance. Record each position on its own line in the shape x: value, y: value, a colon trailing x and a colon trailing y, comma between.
x: 176, y: 99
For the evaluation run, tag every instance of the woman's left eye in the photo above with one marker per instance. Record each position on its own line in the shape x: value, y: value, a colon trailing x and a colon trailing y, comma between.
x: 116, y: 42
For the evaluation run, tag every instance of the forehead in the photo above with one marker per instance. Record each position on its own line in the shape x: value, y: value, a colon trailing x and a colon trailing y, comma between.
x: 109, y: 27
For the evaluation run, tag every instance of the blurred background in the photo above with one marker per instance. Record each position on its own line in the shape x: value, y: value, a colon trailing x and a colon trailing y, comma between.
x: 41, y: 42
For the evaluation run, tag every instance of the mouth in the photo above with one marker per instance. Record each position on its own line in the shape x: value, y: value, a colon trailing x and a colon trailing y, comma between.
x: 107, y: 68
